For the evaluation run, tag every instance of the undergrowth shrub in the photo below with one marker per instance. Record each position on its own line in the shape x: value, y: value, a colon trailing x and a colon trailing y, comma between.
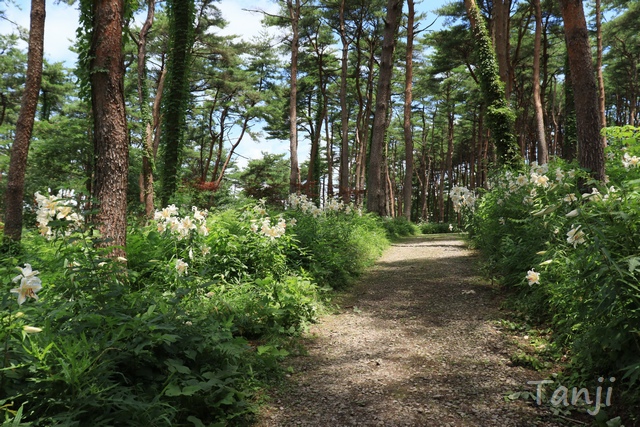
x: 399, y: 227
x: 338, y: 242
x: 572, y: 258
x: 437, y: 228
x: 185, y: 331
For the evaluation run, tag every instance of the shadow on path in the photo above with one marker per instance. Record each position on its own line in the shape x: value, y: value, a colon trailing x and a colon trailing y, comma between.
x: 415, y: 345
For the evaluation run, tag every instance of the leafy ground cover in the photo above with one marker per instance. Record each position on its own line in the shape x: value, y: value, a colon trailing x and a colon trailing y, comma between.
x: 186, y: 330
x: 567, y: 248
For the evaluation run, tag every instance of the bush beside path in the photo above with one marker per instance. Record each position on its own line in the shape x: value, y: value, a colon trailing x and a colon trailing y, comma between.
x: 415, y: 343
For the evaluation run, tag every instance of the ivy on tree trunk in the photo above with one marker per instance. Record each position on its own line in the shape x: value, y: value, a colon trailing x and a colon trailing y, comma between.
x: 500, y: 118
x: 176, y: 101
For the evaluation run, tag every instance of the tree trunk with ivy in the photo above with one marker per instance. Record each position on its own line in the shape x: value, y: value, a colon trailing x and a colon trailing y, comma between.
x: 181, y: 36
x: 14, y: 196
x: 500, y: 117
x: 501, y: 22
x: 111, y: 141
x: 585, y: 89
x: 148, y: 157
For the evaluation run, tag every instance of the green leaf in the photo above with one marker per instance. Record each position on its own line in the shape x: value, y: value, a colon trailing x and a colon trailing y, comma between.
x: 177, y: 366
x: 228, y: 400
x: 190, y: 390
x: 172, y: 390
x: 195, y: 420
x: 615, y: 422
x: 169, y: 338
x: 633, y: 264
x: 262, y: 349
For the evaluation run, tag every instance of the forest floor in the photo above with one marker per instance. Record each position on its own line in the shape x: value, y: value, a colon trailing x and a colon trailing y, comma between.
x: 417, y: 342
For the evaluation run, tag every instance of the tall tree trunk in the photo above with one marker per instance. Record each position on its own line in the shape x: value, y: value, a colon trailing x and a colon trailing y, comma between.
x: 501, y: 22
x: 500, y: 117
x: 408, y: 135
x: 156, y: 112
x: 585, y: 90
x: 328, y: 135
x: 3, y: 107
x: 181, y: 37
x: 422, y: 172
x: 148, y: 158
x: 14, y: 197
x: 221, y: 170
x: 543, y: 151
x: 322, y: 100
x: 450, y: 129
x: 443, y: 166
x: 375, y: 187
x: 483, y: 150
x: 344, y: 112
x: 601, y: 94
x: 363, y: 120
x: 570, y: 134
x: 472, y: 153
x: 110, y: 135
x: 390, y: 207
x: 293, y: 7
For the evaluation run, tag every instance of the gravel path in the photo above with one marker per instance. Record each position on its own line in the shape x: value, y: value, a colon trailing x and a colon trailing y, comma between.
x: 415, y: 345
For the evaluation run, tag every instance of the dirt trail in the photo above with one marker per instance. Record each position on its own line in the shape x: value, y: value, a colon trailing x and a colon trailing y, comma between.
x: 415, y: 345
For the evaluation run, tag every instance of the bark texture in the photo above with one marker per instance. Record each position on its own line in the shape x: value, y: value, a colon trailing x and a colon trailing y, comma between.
x: 344, y: 190
x: 543, y: 152
x: 501, y: 22
x: 294, y: 176
x: 375, y: 186
x: 408, y: 97
x: 148, y: 156
x: 601, y: 94
x: 14, y: 197
x: 110, y: 134
x: 585, y: 90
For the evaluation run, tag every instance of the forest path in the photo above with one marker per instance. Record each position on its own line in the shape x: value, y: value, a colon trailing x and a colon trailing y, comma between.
x: 415, y: 344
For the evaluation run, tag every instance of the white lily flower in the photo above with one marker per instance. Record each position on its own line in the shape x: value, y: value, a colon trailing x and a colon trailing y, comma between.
x: 573, y: 213
x: 28, y: 288
x: 575, y: 236
x: 181, y: 267
x: 26, y: 272
x: 31, y: 329
x: 533, y: 277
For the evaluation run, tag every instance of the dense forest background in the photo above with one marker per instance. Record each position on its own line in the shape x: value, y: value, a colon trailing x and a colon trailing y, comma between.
x: 187, y: 125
